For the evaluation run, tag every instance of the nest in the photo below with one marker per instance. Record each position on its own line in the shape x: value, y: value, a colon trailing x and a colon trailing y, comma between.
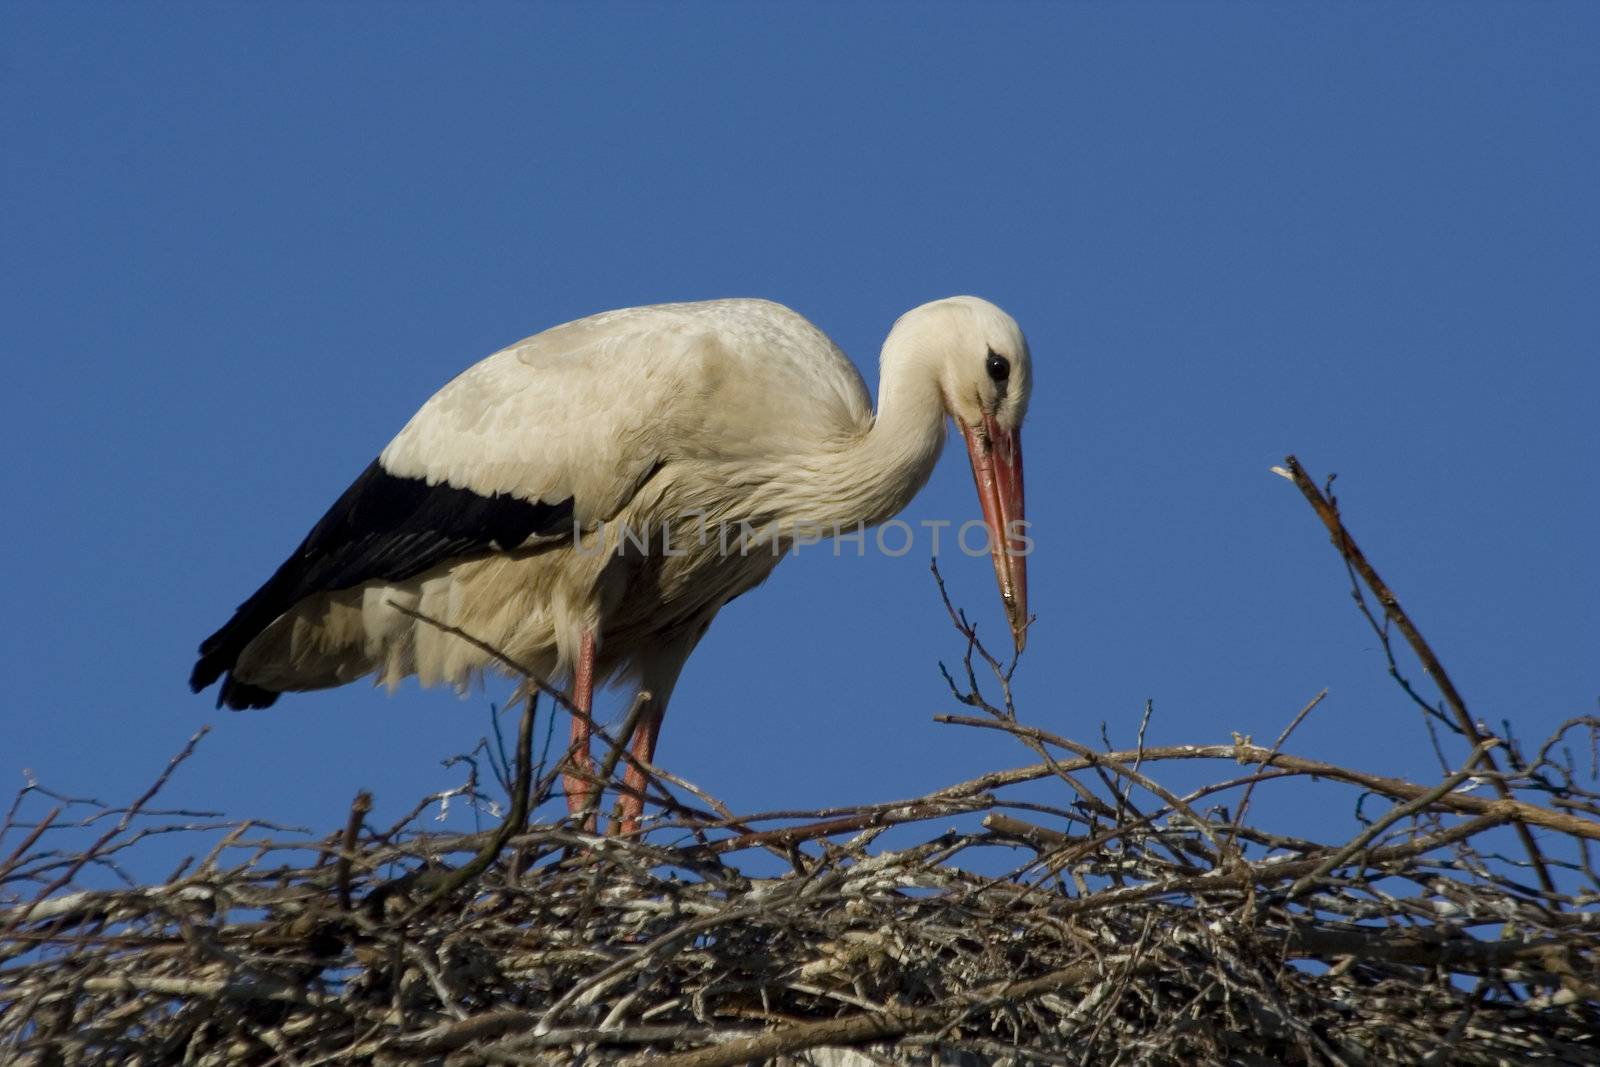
x: 1072, y: 909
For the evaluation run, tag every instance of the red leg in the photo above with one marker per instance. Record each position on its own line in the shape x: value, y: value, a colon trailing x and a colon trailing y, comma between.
x: 580, y: 786
x: 643, y: 747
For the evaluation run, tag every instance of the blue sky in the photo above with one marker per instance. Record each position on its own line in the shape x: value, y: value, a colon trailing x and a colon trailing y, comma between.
x: 241, y: 244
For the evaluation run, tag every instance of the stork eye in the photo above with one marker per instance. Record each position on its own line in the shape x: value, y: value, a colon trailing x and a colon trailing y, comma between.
x: 998, y: 366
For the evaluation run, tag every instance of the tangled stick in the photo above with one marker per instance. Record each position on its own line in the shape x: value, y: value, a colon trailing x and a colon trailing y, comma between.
x: 1075, y: 908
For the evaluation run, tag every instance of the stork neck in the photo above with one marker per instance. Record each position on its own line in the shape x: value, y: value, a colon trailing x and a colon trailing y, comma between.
x: 879, y: 472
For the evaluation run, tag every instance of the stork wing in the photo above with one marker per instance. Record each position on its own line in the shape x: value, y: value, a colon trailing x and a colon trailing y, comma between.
x: 551, y: 432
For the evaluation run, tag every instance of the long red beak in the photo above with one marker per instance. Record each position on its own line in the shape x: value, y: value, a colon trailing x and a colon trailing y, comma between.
x: 997, y: 469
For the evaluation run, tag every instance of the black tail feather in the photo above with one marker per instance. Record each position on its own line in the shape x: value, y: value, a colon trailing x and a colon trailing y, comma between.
x: 241, y: 696
x: 383, y: 527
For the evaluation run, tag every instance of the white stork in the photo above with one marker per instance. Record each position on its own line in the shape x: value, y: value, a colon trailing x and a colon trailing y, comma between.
x: 565, y: 501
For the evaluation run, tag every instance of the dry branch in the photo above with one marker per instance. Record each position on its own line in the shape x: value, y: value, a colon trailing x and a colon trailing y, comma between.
x: 1327, y: 509
x: 1139, y: 935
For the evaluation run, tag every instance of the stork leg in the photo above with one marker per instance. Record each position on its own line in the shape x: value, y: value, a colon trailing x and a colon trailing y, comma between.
x: 658, y: 676
x: 643, y: 746
x: 580, y: 785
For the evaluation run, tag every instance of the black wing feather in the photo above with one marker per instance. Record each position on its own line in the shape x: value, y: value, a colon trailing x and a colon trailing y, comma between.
x: 383, y: 527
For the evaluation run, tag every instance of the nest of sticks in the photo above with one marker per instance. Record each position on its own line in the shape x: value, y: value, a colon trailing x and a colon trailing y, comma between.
x: 1072, y: 909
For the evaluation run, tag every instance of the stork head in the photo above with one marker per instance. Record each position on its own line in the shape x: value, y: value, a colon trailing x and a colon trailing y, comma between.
x: 985, y: 376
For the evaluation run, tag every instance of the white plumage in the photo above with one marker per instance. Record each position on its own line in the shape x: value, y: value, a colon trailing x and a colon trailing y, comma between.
x: 513, y: 503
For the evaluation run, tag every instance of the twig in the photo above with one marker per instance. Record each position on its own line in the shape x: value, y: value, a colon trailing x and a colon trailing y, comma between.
x: 122, y: 824
x: 514, y: 820
x: 1277, y: 746
x: 352, y: 829
x: 1328, y: 512
x: 1399, y: 811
